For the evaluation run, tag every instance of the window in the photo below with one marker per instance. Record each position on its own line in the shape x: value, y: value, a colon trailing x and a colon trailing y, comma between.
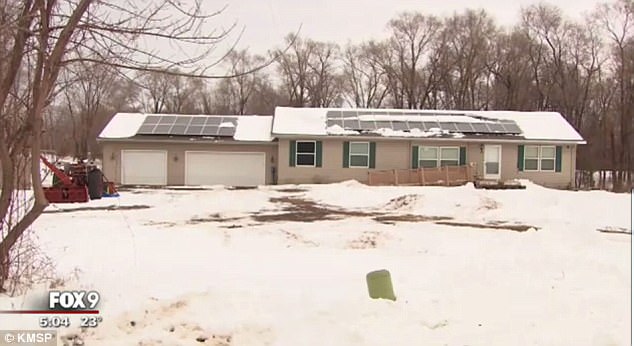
x: 449, y: 156
x: 547, y: 159
x: 359, y: 154
x: 305, y: 155
x: 431, y: 157
x: 428, y: 157
x: 539, y: 158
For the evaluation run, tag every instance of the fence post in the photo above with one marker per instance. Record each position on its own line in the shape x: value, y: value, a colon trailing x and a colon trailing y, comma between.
x: 422, y: 176
x: 395, y: 177
x: 370, y: 178
x: 447, y: 175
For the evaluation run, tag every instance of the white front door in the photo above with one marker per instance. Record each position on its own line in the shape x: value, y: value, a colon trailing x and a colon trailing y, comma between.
x: 492, y: 161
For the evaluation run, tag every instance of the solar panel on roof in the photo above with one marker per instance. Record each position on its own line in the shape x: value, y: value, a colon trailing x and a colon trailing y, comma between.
x: 209, y: 130
x: 167, y: 120
x: 348, y: 114
x: 178, y: 130
x: 181, y: 120
x: 480, y: 128
x: 213, y: 121
x: 448, y: 126
x: 496, y: 128
x: 332, y: 122
x: 380, y: 112
x: 146, y: 129
x: 430, y: 125
x: 351, y: 124
x: 400, y: 125
x: 512, y: 128
x: 162, y: 129
x: 464, y: 127
x: 367, y: 125
x: 198, y: 121
x: 226, y: 131
x: 333, y: 114
x: 416, y: 125
x: 193, y: 130
x: 151, y: 119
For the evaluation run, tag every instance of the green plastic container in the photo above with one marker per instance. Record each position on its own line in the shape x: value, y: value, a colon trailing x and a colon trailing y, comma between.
x: 380, y: 285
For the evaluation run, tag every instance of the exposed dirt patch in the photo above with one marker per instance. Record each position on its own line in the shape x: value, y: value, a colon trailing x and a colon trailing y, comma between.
x: 615, y: 230
x: 298, y: 238
x: 393, y: 219
x: 487, y: 203
x: 242, y: 188
x: 301, y: 210
x: 107, y: 208
x: 506, y: 227
x: 160, y: 223
x: 401, y: 202
x: 291, y: 190
x: 367, y: 240
x: 216, y: 217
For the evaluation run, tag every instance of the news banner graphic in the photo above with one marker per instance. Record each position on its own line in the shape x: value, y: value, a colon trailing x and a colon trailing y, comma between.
x: 64, y: 303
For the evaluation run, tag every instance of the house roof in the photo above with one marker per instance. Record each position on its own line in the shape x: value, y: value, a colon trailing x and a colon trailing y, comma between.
x: 249, y: 128
x: 398, y: 123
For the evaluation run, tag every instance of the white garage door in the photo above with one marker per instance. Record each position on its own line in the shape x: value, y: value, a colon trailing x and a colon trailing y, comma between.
x: 144, y: 167
x: 224, y: 168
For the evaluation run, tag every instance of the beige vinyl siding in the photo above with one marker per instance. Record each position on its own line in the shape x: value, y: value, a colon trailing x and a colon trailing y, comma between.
x: 389, y: 155
x: 176, y: 157
x: 397, y: 154
x: 562, y: 179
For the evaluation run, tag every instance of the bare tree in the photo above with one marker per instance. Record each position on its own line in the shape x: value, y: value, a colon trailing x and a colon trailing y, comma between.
x: 233, y: 95
x: 365, y: 81
x: 618, y: 21
x: 92, y: 93
x: 42, y: 38
x: 410, y: 45
x: 309, y: 74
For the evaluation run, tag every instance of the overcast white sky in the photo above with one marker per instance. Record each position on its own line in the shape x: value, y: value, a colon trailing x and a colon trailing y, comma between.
x: 266, y: 22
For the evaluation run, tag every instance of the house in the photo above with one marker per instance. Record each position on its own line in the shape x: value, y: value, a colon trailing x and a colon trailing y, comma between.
x: 170, y: 149
x: 322, y: 145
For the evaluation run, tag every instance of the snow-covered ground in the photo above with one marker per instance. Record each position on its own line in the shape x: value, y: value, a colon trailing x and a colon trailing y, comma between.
x: 202, y: 264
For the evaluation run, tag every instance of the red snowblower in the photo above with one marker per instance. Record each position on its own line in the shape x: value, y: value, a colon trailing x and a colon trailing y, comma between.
x: 77, y: 183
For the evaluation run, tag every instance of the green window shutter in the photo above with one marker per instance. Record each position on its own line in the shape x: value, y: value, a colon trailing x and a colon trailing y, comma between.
x: 463, y: 156
x: 318, y: 152
x: 415, y: 156
x: 558, y: 158
x: 520, y: 157
x: 346, y: 154
x: 291, y: 154
x: 372, y: 154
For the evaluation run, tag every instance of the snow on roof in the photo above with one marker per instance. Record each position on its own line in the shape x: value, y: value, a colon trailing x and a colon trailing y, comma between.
x: 545, y: 126
x: 299, y: 121
x: 538, y: 125
x: 248, y: 128
x: 254, y: 128
x: 123, y: 125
